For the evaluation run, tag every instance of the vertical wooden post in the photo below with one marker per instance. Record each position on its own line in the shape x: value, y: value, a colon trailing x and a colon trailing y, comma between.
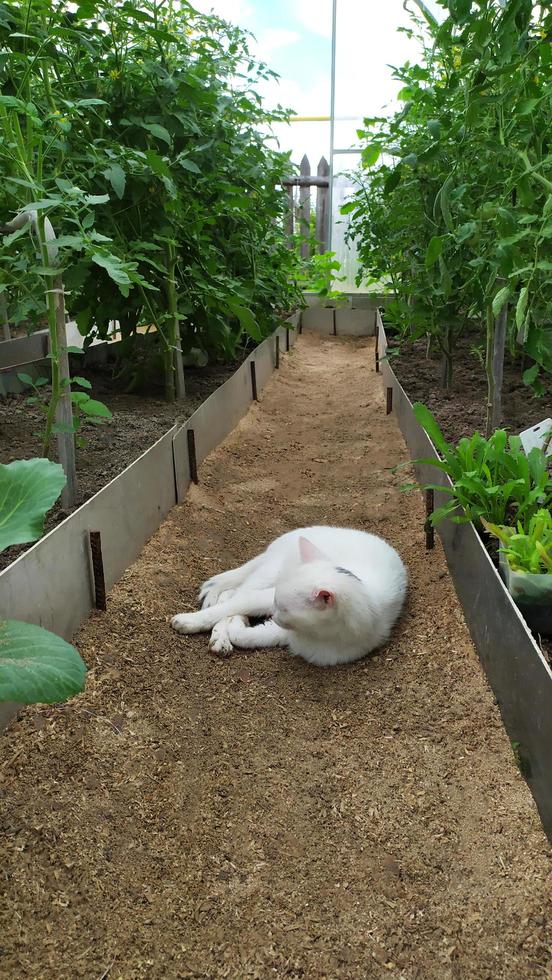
x: 499, y: 345
x: 6, y: 335
x: 192, y: 458
x: 100, y: 600
x: 277, y: 352
x: 64, y: 413
x: 289, y: 217
x: 304, y: 209
x: 253, y: 368
x: 388, y: 401
x: 429, y: 529
x: 322, y: 209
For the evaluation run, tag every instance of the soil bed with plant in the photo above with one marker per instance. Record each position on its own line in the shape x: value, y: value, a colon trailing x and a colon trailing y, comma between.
x: 138, y: 421
x: 460, y: 411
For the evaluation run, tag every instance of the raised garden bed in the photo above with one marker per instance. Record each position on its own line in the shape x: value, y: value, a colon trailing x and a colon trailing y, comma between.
x: 138, y: 421
x: 514, y: 663
x: 54, y: 584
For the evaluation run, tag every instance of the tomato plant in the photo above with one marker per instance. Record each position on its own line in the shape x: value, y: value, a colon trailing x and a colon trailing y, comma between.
x: 139, y: 132
x: 453, y: 205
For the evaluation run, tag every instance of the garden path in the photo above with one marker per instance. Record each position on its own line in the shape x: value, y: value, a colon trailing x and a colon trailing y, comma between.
x: 258, y: 817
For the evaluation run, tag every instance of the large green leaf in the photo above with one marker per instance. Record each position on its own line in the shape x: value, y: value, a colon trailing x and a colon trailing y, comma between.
x: 427, y: 421
x: 28, y: 488
x: 36, y: 666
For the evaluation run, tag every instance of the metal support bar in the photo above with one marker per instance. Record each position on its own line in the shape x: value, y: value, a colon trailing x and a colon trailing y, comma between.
x: 100, y: 600
x: 332, y: 124
x: 429, y: 529
x: 253, y: 381
x: 190, y: 435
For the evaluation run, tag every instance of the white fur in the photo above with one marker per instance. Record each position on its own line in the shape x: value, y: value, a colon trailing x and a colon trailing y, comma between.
x: 333, y: 593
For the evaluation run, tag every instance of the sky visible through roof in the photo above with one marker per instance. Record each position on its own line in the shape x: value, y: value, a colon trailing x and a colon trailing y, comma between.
x: 294, y: 38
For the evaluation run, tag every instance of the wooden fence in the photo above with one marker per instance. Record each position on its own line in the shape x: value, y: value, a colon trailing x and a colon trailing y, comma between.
x: 299, y: 214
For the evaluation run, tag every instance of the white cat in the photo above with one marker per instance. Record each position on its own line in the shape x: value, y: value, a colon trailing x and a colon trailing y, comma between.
x: 333, y: 595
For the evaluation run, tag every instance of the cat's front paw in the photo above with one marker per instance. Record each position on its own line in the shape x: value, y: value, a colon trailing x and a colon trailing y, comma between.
x: 186, y: 623
x: 209, y: 593
x: 219, y: 642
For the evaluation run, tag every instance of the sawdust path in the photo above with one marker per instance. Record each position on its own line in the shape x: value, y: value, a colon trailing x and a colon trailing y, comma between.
x: 257, y: 817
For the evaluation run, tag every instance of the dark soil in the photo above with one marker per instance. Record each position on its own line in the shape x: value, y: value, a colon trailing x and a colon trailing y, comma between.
x: 461, y: 411
x: 138, y: 421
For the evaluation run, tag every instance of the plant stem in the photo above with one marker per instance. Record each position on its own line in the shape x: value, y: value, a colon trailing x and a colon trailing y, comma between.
x: 52, y: 328
x: 174, y: 370
x: 489, y: 370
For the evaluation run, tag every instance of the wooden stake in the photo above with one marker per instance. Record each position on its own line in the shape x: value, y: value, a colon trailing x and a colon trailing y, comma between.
x: 64, y: 413
x: 192, y: 459
x: 253, y: 367
x: 429, y: 529
x: 277, y: 351
x: 388, y: 401
x: 100, y: 600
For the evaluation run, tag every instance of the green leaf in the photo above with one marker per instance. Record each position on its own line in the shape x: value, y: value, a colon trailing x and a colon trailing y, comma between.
x: 25, y: 378
x: 69, y: 241
x: 81, y: 381
x: 10, y: 102
x: 501, y: 298
x: 96, y: 198
x: 434, y: 127
x: 37, y: 667
x: 158, y: 131
x: 28, y: 488
x: 117, y: 178
x: 48, y: 202
x: 189, y: 165
x: 466, y: 231
x: 434, y: 250
x: 444, y: 202
x: 18, y: 233
x: 392, y: 180
x: 522, y: 306
x: 531, y: 374
x: 428, y: 423
x: 246, y: 318
x: 97, y: 409
x: 114, y: 268
x: 526, y: 106
x: 348, y: 207
x: 370, y: 155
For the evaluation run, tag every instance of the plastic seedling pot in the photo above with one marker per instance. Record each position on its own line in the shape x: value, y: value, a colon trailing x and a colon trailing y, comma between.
x: 532, y: 594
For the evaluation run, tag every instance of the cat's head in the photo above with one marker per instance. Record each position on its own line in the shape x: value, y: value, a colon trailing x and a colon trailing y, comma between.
x: 316, y: 594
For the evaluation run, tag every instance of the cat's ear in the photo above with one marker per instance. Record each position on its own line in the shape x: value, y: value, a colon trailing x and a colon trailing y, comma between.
x: 323, y: 598
x: 309, y: 552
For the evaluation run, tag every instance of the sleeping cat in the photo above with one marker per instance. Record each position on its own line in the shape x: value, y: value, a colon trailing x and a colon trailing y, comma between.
x: 333, y: 595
